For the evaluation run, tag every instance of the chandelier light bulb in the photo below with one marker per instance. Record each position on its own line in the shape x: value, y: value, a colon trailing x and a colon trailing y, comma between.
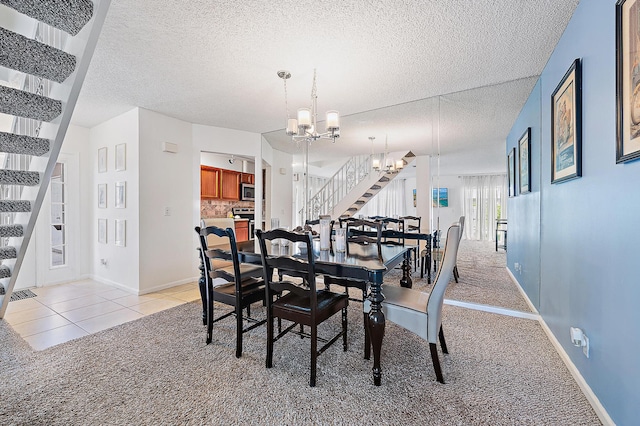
x: 333, y: 120
x: 292, y: 126
x: 399, y: 165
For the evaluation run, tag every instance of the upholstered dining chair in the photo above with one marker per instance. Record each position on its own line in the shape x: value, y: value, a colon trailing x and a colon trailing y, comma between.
x: 241, y: 286
x: 301, y: 303
x: 438, y: 252
x: 420, y: 312
x: 357, y: 235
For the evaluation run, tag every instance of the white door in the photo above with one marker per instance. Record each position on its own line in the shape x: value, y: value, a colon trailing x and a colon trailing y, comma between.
x: 58, y: 225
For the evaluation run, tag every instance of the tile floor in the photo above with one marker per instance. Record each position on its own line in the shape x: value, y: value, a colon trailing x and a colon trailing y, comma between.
x: 67, y: 311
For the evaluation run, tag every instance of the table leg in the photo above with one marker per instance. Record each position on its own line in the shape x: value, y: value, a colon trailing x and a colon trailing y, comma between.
x: 376, y: 330
x: 406, y: 280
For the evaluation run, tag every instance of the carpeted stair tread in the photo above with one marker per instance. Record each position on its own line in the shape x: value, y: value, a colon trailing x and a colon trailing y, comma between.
x: 21, y: 144
x: 32, y: 57
x: 5, y: 272
x: 29, y: 105
x: 11, y: 231
x: 67, y: 15
x: 19, y: 177
x: 8, y: 252
x: 15, y: 206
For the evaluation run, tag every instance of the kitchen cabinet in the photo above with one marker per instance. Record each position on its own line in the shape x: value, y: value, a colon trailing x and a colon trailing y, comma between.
x: 242, y: 230
x: 229, y: 185
x: 209, y: 182
x: 248, y: 178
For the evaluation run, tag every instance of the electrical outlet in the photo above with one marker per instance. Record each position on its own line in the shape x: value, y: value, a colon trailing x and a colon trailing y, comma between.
x: 167, y: 211
x: 103, y: 262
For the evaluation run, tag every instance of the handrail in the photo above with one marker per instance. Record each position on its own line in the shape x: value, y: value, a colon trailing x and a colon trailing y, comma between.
x: 354, y: 171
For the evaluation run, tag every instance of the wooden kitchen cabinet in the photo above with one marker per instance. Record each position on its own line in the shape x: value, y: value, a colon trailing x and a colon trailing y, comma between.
x: 242, y: 230
x: 229, y: 185
x: 209, y: 182
x: 248, y: 178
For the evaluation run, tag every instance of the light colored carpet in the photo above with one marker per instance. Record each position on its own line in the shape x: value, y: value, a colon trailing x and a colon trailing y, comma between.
x: 483, y: 278
x: 158, y: 371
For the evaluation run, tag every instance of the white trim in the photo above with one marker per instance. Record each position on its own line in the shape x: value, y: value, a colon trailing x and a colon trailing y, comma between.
x: 493, y: 309
x: 169, y: 285
x: 582, y: 383
x: 526, y: 297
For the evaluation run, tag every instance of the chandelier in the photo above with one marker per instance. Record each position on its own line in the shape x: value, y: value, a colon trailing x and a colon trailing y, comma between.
x: 305, y: 127
x: 387, y: 165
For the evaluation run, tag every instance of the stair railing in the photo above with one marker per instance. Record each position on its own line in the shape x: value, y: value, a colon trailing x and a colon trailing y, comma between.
x: 354, y: 171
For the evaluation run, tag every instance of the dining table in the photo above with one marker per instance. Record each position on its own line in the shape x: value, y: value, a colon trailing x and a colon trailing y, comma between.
x: 362, y: 262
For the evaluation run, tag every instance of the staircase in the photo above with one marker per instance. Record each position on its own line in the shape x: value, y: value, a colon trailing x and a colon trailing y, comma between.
x: 351, y: 187
x: 45, y: 50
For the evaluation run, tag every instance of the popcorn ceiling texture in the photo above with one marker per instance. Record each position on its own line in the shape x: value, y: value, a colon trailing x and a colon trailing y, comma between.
x: 28, y: 105
x: 67, y: 15
x: 21, y: 144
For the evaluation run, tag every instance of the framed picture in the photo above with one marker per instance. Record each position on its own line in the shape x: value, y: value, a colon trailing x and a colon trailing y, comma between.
x: 121, y: 195
x: 414, y: 199
x: 121, y: 232
x: 628, y: 80
x: 524, y: 157
x: 121, y: 157
x: 102, y: 231
x: 440, y: 197
x: 102, y: 195
x: 102, y: 160
x: 566, y: 126
x: 511, y: 172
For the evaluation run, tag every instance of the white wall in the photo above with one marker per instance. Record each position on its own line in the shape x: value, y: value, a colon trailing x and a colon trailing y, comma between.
x: 123, y: 263
x: 448, y: 215
x: 166, y: 181
x: 222, y: 162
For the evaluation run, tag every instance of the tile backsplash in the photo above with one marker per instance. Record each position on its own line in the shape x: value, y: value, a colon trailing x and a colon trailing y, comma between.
x: 220, y: 208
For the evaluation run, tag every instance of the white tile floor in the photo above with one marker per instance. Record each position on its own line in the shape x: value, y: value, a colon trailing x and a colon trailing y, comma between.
x: 64, y: 312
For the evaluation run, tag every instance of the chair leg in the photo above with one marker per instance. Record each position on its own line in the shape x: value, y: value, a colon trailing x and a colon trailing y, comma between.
x: 436, y: 362
x: 455, y: 273
x: 209, y: 315
x: 344, y: 329
x: 422, y: 267
x: 314, y: 354
x: 367, y: 337
x: 443, y: 344
x: 269, y: 358
x: 238, y: 331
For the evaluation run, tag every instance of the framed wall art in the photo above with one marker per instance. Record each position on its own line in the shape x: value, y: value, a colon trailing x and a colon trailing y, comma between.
x: 102, y: 160
x: 121, y: 157
x: 121, y: 233
x: 440, y: 197
x: 511, y: 172
x: 121, y: 195
x: 566, y: 126
x: 628, y: 80
x: 524, y: 160
x: 102, y: 231
x: 102, y: 195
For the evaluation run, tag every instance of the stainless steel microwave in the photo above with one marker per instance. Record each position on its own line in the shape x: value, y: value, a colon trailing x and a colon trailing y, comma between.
x: 247, y: 192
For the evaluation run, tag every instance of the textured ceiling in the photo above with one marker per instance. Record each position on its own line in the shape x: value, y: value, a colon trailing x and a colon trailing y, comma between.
x: 214, y: 62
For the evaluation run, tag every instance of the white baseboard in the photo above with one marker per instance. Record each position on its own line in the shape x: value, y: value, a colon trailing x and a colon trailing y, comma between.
x: 601, y: 412
x: 526, y: 297
x: 113, y: 284
x: 169, y: 285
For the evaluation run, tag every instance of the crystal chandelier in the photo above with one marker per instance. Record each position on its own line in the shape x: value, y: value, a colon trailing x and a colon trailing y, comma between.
x: 387, y: 165
x: 305, y: 127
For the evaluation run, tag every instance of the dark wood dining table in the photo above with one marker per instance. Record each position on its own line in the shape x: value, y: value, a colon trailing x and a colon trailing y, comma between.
x: 360, y: 262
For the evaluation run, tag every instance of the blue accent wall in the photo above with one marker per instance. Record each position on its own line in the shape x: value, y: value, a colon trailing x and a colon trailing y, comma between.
x: 588, y: 233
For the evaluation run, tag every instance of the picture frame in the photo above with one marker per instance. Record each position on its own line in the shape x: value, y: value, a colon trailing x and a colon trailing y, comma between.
x: 627, y: 80
x: 511, y: 172
x: 102, y: 195
x: 440, y: 197
x: 524, y: 161
x: 102, y: 231
x: 415, y: 203
x: 566, y: 126
x: 120, y: 195
x: 121, y: 157
x: 102, y: 159
x: 121, y: 232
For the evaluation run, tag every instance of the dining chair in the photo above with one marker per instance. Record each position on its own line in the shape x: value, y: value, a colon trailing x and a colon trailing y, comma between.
x: 301, y: 303
x: 356, y: 235
x: 456, y: 275
x: 421, y: 312
x: 437, y: 253
x: 241, y: 283
x: 427, y: 254
x: 412, y: 224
